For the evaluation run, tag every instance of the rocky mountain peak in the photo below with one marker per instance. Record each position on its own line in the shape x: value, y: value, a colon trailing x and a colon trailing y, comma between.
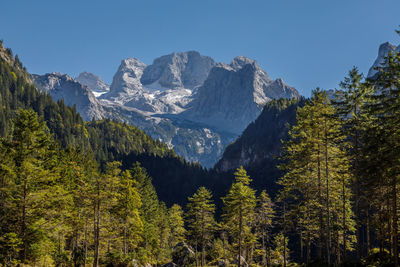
x: 384, y: 50
x: 62, y: 86
x: 93, y: 82
x: 185, y: 99
x: 178, y: 70
x: 239, y: 62
x: 127, y: 78
x: 233, y: 95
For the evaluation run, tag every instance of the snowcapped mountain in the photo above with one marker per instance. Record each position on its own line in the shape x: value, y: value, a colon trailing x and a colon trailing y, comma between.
x: 187, y: 100
x: 384, y: 50
x: 62, y: 86
x: 93, y: 82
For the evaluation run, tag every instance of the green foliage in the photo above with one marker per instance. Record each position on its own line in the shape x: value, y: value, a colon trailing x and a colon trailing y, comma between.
x: 280, y: 255
x: 317, y: 179
x: 75, y: 194
x: 239, y: 212
x: 200, y: 220
x: 17, y: 91
x: 261, y: 143
x: 112, y: 139
x: 58, y: 208
x: 176, y: 223
x: 265, y: 214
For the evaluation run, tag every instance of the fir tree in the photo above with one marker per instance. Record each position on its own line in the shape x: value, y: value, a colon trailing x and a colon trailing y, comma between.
x: 239, y: 210
x: 200, y: 220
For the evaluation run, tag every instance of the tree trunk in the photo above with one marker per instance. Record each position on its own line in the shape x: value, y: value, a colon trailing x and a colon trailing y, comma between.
x: 357, y: 196
x: 284, y: 250
x: 97, y: 230
x: 301, y: 247
x: 264, y: 249
x: 321, y: 225
x: 328, y: 232
x: 344, y: 222
x: 308, y: 248
x: 86, y: 247
x: 240, y: 236
x: 368, y: 231
x: 284, y: 234
x: 23, y: 226
x: 394, y: 223
x: 196, y: 253
x: 203, y: 252
x: 124, y: 239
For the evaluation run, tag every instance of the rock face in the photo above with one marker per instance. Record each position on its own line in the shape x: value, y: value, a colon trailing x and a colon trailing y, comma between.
x: 234, y: 95
x: 384, y: 50
x: 126, y: 80
x: 61, y: 86
x: 178, y: 70
x: 185, y: 99
x: 93, y: 82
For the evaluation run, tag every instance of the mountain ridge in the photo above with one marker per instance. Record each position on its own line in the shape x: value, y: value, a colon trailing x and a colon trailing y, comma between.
x: 180, y: 100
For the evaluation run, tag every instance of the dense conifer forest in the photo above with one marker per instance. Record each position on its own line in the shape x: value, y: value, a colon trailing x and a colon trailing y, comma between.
x: 76, y: 193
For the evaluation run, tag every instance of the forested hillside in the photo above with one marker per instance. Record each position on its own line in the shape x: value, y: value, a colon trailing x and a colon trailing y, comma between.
x: 17, y: 91
x: 258, y: 148
x: 107, y: 140
x: 82, y: 194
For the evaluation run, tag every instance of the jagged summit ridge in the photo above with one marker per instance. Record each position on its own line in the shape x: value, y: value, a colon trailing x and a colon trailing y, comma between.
x: 126, y: 80
x: 178, y: 70
x: 93, y: 82
x: 189, y: 101
x: 233, y: 95
x: 62, y: 86
x: 239, y: 62
x: 384, y: 50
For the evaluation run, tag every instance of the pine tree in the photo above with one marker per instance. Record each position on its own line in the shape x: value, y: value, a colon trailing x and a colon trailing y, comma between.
x: 239, y: 210
x: 30, y: 152
x: 104, y: 189
x: 150, y: 212
x: 281, y: 252
x: 317, y: 178
x: 200, y: 220
x: 263, y: 224
x: 351, y: 108
x: 176, y: 223
x: 386, y: 137
x: 126, y: 213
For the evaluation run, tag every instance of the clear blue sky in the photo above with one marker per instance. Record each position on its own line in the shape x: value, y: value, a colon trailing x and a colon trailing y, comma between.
x: 308, y: 43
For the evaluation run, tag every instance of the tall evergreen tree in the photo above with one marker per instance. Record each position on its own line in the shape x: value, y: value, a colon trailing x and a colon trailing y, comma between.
x: 351, y: 105
x: 386, y: 110
x: 263, y: 224
x: 126, y: 212
x: 176, y: 223
x: 317, y: 177
x: 200, y: 220
x: 239, y: 210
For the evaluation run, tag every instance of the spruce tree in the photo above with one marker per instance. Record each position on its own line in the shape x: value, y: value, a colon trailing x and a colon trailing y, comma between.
x: 351, y: 103
x: 263, y: 224
x: 239, y: 211
x: 386, y: 110
x: 200, y: 220
x: 176, y: 223
x: 127, y: 214
x: 317, y: 178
